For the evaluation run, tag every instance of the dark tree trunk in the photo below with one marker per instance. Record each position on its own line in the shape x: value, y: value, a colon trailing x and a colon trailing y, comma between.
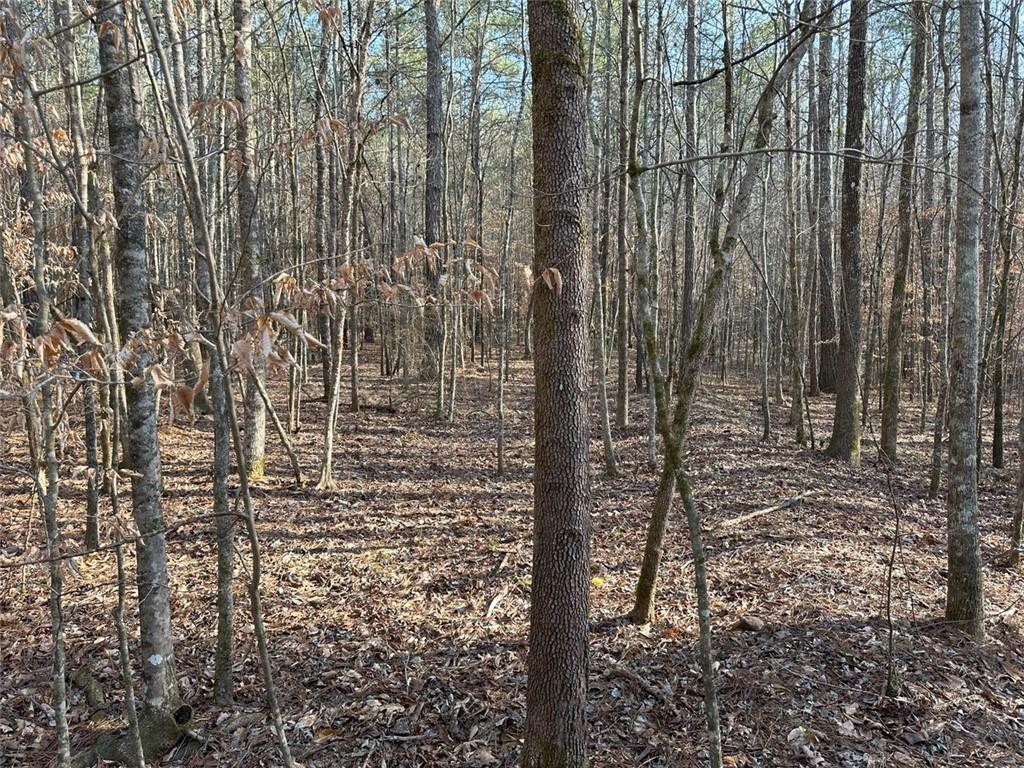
x: 845, y: 442
x: 622, y: 292
x: 433, y: 194
x: 828, y: 352
x: 558, y: 663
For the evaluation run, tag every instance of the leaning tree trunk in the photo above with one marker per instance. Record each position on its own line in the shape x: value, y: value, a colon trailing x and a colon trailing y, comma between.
x: 557, y: 681
x: 689, y: 174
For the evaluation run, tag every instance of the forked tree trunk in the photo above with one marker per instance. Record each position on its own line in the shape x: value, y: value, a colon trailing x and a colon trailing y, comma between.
x: 673, y: 426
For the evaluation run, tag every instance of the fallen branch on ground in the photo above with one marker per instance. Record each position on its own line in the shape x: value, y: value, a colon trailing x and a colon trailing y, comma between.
x: 792, y: 502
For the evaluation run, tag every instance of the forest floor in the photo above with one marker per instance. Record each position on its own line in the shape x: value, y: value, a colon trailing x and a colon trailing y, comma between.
x: 397, y: 605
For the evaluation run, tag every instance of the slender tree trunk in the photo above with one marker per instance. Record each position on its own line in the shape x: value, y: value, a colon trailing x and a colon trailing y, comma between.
x: 82, y: 237
x: 897, y: 307
x: 964, y: 592
x: 602, y: 221
x: 942, y: 406
x: 689, y: 173
x: 622, y: 295
x: 1017, y: 523
x: 828, y: 351
x: 764, y: 322
x: 142, y: 452
x: 797, y: 319
x: 433, y: 194
x: 249, y: 237
x: 41, y: 426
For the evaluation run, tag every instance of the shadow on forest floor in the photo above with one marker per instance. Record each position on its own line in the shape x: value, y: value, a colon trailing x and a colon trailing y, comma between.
x: 397, y: 604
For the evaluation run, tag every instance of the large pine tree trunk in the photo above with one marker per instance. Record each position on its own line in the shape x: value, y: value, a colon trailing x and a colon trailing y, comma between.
x: 558, y: 663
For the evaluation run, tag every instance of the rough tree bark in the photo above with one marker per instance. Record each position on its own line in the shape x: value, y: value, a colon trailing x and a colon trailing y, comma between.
x: 433, y: 193
x: 558, y: 662
x: 828, y: 350
x: 845, y: 442
x: 964, y: 591
x: 141, y: 451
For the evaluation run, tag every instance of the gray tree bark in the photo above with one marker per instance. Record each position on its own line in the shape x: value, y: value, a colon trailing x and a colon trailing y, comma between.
x: 141, y: 450
x: 249, y: 236
x: 964, y: 591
